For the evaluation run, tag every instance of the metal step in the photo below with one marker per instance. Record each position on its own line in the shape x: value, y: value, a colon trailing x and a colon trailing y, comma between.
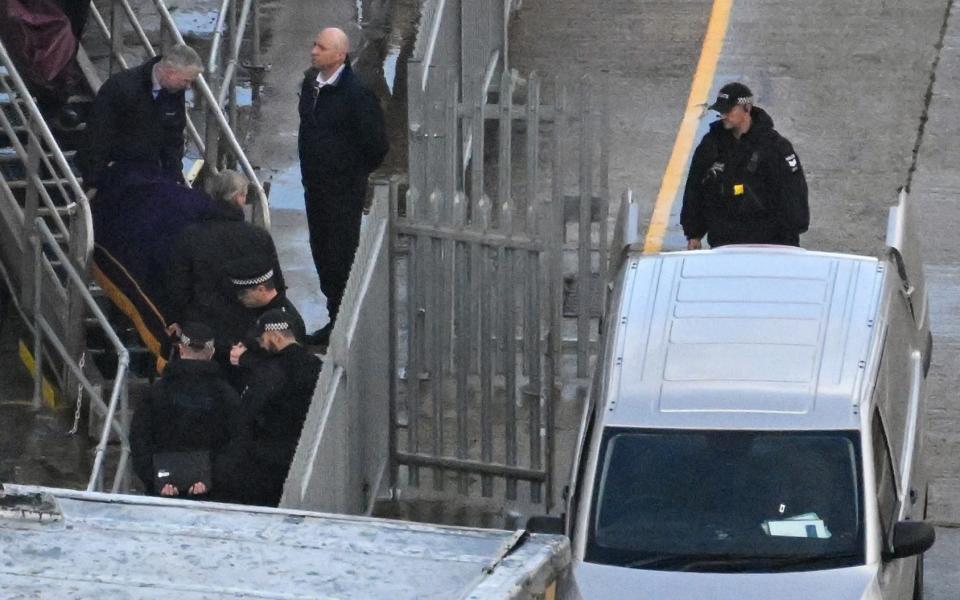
x: 68, y: 210
x: 7, y: 157
x: 19, y: 184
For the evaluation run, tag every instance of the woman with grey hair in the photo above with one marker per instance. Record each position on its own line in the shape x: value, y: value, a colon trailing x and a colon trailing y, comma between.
x: 230, y: 186
x: 198, y: 286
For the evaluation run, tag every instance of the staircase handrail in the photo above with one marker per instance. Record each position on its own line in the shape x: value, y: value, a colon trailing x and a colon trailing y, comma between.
x: 45, y: 241
x: 83, y: 251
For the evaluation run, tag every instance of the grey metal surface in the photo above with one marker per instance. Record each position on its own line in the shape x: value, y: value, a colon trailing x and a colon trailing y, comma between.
x: 341, y: 459
x: 743, y: 337
x: 83, y: 545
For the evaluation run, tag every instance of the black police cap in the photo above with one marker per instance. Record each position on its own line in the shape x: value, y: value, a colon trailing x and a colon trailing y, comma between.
x: 196, y: 335
x: 275, y: 319
x: 731, y: 95
x: 249, y: 271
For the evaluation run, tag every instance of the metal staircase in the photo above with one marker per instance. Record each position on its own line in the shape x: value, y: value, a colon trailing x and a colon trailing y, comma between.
x: 46, y: 228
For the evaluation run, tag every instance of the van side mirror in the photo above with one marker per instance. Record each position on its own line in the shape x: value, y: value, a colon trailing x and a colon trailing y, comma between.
x: 546, y: 524
x: 910, y: 538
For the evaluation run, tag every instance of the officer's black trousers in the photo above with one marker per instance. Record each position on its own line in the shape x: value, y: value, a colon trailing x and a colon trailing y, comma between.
x: 333, y: 218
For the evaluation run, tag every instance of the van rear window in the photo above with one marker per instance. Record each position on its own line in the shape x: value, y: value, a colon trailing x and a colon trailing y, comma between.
x: 747, y: 501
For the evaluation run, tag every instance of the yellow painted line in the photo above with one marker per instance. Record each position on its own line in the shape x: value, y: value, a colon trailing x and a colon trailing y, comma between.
x: 702, y: 80
x: 46, y: 390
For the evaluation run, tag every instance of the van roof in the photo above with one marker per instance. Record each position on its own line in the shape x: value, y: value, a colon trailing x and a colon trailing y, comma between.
x: 746, y: 337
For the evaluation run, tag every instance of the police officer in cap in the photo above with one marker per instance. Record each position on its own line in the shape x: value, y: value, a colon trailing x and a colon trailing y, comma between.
x: 190, y: 409
x: 253, y: 281
x: 276, y: 396
x: 746, y: 184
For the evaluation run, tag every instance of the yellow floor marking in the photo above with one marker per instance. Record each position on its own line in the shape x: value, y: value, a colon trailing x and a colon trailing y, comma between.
x: 47, y: 392
x: 702, y: 80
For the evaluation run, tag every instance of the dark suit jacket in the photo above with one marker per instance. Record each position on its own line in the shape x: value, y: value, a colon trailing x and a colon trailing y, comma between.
x: 129, y: 125
x: 342, y: 136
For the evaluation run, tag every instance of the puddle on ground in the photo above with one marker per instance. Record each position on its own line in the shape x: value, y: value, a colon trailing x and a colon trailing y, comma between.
x: 286, y: 189
x: 390, y: 67
x: 193, y: 22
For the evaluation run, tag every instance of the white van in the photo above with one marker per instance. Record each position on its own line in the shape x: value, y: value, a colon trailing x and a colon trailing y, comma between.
x: 756, y: 428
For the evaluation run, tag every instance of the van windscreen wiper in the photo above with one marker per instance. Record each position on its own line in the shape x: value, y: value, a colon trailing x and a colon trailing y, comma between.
x: 754, y: 562
x: 727, y: 562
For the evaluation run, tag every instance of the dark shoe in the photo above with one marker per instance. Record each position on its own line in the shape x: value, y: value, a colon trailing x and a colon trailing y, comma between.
x: 320, y: 337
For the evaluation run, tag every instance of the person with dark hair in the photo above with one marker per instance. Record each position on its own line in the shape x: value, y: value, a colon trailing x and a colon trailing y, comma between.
x: 139, y: 115
x: 746, y: 184
x: 275, y: 400
x: 199, y: 287
x: 341, y: 140
x: 190, y: 410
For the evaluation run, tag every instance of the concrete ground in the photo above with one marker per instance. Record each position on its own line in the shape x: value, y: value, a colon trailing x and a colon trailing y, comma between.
x: 35, y: 447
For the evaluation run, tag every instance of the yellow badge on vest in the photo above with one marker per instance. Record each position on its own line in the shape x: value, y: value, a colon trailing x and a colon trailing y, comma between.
x: 738, y: 189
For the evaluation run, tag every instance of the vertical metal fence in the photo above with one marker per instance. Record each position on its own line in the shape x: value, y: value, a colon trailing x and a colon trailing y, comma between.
x: 482, y: 247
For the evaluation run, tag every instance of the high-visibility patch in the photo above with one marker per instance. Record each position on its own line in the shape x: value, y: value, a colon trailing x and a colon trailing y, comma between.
x: 738, y: 189
x: 792, y: 162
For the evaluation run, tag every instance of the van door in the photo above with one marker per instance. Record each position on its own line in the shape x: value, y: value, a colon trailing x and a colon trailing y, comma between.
x: 896, y: 576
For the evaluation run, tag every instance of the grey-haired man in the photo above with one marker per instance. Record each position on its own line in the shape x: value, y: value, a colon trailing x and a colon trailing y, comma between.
x: 139, y: 115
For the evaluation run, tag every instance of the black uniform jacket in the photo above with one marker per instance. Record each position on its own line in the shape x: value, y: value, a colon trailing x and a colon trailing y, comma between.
x: 190, y: 408
x: 198, y: 285
x: 751, y: 190
x: 342, y: 136
x: 275, y: 403
x: 129, y: 125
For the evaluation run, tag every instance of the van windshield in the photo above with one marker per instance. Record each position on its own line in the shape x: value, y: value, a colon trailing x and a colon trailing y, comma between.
x: 746, y: 501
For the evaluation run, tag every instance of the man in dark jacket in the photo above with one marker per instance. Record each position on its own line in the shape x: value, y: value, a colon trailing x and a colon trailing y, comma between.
x: 139, y: 115
x: 341, y: 140
x: 198, y: 284
x: 746, y: 184
x: 190, y: 409
x: 275, y: 400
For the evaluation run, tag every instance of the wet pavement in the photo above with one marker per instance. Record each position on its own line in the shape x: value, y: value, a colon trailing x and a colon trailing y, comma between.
x: 35, y: 446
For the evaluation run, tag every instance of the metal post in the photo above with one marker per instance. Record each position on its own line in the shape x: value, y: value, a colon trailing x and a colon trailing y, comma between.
x: 584, y: 237
x: 31, y: 201
x: 413, y: 349
x: 236, y: 40
x: 37, y: 307
x: 393, y: 340
x: 555, y: 285
x: 433, y: 331
x: 487, y: 349
x: 116, y: 36
x: 462, y: 330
